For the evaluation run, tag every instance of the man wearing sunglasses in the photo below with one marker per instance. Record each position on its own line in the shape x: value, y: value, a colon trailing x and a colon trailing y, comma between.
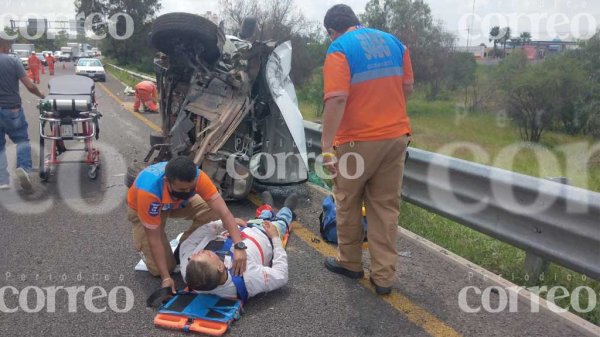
x: 177, y: 189
x: 367, y: 76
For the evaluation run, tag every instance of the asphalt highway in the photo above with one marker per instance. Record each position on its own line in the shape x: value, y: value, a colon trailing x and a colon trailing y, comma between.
x: 73, y: 233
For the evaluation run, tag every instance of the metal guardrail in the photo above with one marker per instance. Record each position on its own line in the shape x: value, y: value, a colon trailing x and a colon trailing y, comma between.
x: 132, y: 73
x: 556, y: 222
x: 546, y: 219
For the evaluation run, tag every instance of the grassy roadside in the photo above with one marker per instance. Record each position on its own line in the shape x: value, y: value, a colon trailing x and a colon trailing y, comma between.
x: 438, y: 124
x: 122, y: 76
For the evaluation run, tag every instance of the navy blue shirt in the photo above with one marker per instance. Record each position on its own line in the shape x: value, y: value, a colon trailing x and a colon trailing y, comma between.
x: 11, y: 71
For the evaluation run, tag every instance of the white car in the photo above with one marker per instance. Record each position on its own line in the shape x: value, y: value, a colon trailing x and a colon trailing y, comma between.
x: 91, y: 68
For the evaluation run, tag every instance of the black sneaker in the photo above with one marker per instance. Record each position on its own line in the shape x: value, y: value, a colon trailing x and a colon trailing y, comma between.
x: 267, y: 198
x: 291, y: 201
x: 380, y: 290
x: 332, y: 265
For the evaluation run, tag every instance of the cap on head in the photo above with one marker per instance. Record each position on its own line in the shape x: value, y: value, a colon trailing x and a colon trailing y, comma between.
x: 339, y: 18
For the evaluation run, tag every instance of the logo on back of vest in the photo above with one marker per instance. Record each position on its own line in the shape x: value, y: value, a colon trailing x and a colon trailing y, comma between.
x: 154, y: 209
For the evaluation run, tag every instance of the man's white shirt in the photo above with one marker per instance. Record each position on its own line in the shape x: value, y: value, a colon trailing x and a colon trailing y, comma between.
x: 259, y: 277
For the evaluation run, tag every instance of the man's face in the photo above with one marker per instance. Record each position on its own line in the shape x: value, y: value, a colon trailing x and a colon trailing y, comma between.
x: 182, y: 189
x: 210, y: 257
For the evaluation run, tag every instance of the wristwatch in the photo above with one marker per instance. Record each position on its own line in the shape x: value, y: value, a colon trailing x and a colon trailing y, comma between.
x: 240, y: 245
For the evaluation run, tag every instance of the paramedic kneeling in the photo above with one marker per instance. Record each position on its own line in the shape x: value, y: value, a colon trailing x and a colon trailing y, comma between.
x: 205, y: 255
x: 177, y: 189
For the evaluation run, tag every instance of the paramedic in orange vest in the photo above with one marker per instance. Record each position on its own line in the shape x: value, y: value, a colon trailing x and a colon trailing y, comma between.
x: 34, y: 65
x: 50, y: 60
x: 177, y: 189
x: 145, y: 93
x: 367, y: 76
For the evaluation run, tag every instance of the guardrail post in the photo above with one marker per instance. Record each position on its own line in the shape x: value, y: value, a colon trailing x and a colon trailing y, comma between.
x: 535, y: 265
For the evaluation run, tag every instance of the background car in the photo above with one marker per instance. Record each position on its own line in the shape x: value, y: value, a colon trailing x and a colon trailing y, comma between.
x: 25, y: 63
x: 64, y: 57
x: 91, y: 68
x: 42, y: 58
x: 23, y: 55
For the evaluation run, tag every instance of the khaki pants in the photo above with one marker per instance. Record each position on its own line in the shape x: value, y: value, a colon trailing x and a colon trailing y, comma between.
x: 197, y: 210
x: 379, y: 186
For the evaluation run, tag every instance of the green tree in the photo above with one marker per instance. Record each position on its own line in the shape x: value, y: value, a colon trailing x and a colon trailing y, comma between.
x: 588, y: 55
x: 495, y: 38
x: 375, y: 15
x: 539, y: 95
x: 281, y: 20
x: 134, y: 50
x: 506, y: 35
x: 309, y: 51
x: 525, y: 37
x: 461, y: 70
x: 276, y: 19
x: 429, y: 44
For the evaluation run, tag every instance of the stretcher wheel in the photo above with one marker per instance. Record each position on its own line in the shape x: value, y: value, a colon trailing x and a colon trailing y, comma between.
x: 93, y: 172
x: 44, y: 174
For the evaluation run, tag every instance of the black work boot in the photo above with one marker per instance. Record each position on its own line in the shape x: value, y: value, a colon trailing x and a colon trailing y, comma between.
x: 291, y: 201
x: 267, y: 198
x: 380, y: 290
x: 333, y: 266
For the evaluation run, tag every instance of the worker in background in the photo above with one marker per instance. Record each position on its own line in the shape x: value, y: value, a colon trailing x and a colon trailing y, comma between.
x: 145, y: 93
x: 42, y: 67
x: 34, y: 66
x: 50, y: 60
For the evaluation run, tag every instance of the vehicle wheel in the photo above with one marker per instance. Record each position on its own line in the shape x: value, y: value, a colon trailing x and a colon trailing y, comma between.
x: 93, y: 172
x: 156, y: 139
x: 132, y: 173
x: 171, y: 29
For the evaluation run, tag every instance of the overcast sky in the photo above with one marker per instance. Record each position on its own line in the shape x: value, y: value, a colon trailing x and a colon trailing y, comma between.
x: 545, y: 19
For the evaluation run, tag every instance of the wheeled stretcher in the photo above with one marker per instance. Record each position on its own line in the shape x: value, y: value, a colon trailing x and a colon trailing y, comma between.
x: 69, y: 113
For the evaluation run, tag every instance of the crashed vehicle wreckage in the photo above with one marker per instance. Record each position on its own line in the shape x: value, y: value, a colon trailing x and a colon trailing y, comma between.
x: 228, y: 103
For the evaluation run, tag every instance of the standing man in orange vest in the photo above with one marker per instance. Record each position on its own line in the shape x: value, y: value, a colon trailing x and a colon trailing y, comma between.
x: 34, y: 66
x: 367, y: 76
x: 50, y: 60
x: 145, y: 93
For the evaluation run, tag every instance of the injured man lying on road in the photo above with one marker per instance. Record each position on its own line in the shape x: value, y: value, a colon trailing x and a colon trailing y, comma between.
x: 205, y: 256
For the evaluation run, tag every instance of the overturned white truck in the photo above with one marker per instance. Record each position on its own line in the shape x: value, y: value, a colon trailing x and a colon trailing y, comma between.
x: 228, y: 103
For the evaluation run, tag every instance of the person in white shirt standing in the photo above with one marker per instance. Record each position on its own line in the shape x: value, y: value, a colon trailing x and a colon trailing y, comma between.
x: 206, y: 254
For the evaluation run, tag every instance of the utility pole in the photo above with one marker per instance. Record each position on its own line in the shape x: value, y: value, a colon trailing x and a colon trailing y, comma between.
x: 470, y: 26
